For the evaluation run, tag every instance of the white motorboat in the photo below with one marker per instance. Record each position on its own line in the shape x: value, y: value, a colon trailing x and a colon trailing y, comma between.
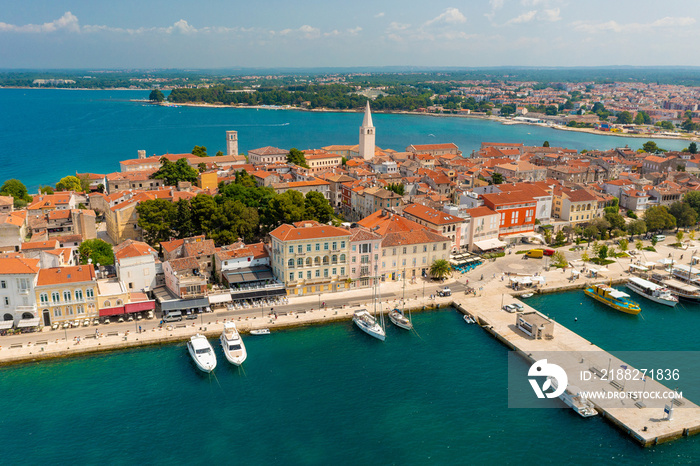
x: 202, y: 353
x: 400, y: 320
x: 572, y: 398
x: 260, y: 331
x: 232, y: 344
x: 527, y: 295
x: 368, y: 324
x: 468, y: 319
x: 652, y: 291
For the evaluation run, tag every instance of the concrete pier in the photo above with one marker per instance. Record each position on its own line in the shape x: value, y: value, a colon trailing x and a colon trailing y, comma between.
x: 645, y: 424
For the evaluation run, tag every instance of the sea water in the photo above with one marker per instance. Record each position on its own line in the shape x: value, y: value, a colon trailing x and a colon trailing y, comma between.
x: 46, y: 134
x: 315, y: 395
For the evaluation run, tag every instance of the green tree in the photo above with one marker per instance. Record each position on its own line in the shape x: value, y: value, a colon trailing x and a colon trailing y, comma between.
x: 658, y: 218
x: 171, y: 172
x: 16, y: 189
x: 684, y: 214
x: 69, y: 183
x: 200, y: 151
x: 590, y: 232
x: 202, y: 167
x: 560, y: 238
x: 623, y: 244
x: 296, y: 157
x: 651, y: 147
x: 559, y: 260
x: 182, y: 224
x: 440, y: 268
x: 638, y: 245
x: 616, y: 221
x: 288, y: 207
x: 156, y: 219
x: 693, y: 148
x: 624, y: 118
x: 218, y: 153
x: 317, y: 207
x: 398, y: 188
x: 679, y: 235
x: 344, y: 161
x: 204, y: 212
x: 156, y: 96
x: 603, y: 252
x: 99, y: 251
x: 545, y: 144
x: 667, y: 125
x: 637, y: 227
x: 497, y: 178
x: 693, y: 199
x: 46, y: 190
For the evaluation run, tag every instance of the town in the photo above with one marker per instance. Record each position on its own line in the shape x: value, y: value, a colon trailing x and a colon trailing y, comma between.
x: 151, y: 238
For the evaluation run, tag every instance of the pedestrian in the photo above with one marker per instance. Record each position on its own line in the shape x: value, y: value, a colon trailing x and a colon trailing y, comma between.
x: 139, y: 329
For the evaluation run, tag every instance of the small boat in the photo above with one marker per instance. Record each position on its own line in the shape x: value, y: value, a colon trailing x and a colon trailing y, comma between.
x: 613, y: 298
x: 652, y: 291
x: 232, y: 344
x: 527, y: 295
x: 368, y: 324
x: 202, y: 353
x: 400, y: 320
x: 572, y: 398
x: 469, y: 319
x: 260, y: 331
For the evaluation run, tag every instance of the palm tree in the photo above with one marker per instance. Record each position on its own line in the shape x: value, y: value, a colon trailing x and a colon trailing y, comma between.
x: 440, y: 268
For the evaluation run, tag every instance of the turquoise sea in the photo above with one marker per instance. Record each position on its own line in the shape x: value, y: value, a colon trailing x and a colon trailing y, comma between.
x: 316, y: 395
x: 46, y: 134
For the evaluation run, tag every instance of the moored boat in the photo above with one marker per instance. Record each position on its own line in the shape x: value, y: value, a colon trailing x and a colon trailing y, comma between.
x: 260, y: 331
x: 678, y: 288
x: 400, y: 320
x: 368, y: 324
x: 614, y: 298
x: 202, y: 353
x: 232, y: 344
x: 652, y: 291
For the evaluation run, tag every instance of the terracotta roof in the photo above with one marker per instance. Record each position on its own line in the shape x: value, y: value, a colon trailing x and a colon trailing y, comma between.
x: 170, y: 246
x: 431, y: 215
x: 288, y: 232
x: 18, y: 265
x: 7, y: 200
x: 200, y: 248
x: 482, y: 211
x: 268, y: 150
x: 184, y: 263
x: 382, y: 223
x: 131, y: 248
x: 259, y: 251
x: 51, y: 244
x: 444, y: 146
x: 61, y: 275
x: 400, y: 238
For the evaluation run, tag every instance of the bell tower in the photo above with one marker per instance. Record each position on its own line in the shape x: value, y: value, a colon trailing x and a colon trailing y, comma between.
x: 366, y: 148
x: 231, y: 142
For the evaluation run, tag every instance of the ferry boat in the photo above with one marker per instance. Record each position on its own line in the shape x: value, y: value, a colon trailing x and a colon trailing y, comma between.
x: 613, y: 298
x: 400, y: 320
x: 652, y: 291
x: 202, y: 353
x: 678, y: 288
x: 572, y: 398
x: 232, y: 344
x: 368, y: 324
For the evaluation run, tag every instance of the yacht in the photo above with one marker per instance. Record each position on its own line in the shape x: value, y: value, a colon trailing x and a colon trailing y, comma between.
x: 400, y: 320
x: 652, y: 291
x: 613, y: 298
x: 678, y: 288
x: 572, y: 398
x: 368, y: 324
x: 202, y: 353
x: 232, y: 344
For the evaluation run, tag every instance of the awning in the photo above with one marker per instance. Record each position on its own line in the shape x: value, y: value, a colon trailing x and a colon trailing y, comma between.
x: 25, y: 323
x: 666, y: 261
x: 5, y: 324
x: 182, y: 304
x: 488, y: 244
x: 638, y: 267
x: 575, y: 272
x: 111, y: 311
x: 538, y: 279
x: 260, y: 293
x: 139, y: 306
x: 220, y: 298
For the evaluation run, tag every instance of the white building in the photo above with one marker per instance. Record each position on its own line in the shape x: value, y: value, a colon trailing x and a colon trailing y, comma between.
x: 137, y: 265
x: 17, y: 298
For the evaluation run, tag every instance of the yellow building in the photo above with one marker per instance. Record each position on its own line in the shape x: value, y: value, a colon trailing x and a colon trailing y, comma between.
x: 208, y: 180
x: 67, y: 293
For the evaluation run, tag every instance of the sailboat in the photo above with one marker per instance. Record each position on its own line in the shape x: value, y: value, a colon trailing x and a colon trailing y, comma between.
x: 367, y: 322
x: 396, y: 316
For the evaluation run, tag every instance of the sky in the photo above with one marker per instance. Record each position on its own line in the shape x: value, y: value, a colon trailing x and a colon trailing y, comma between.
x: 321, y: 33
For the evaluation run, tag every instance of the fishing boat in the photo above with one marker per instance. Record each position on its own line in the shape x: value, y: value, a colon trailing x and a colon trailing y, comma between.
x: 678, y: 288
x: 614, y: 298
x: 400, y: 320
x: 573, y: 398
x: 202, y: 353
x: 260, y: 331
x: 652, y: 291
x: 232, y: 344
x: 368, y: 324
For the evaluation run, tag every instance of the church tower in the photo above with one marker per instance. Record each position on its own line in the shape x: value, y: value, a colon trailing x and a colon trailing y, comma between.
x: 367, y: 135
x: 231, y: 142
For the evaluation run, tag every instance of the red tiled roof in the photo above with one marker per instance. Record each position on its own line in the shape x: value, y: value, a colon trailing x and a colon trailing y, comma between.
x: 62, y: 275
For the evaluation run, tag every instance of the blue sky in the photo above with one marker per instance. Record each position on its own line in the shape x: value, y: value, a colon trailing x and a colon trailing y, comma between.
x: 315, y: 33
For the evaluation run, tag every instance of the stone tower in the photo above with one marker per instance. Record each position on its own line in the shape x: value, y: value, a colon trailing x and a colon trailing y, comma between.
x: 231, y: 142
x: 367, y: 135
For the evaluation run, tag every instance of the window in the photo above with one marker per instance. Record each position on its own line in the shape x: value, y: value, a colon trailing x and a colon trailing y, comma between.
x: 334, y: 271
x: 354, y: 247
x: 44, y: 298
x: 69, y: 311
x: 291, y: 249
x: 415, y: 249
x: 403, y: 263
x: 318, y: 246
x: 342, y: 258
x: 335, y: 245
x: 291, y: 276
x: 300, y: 262
x: 342, y: 271
x: 404, y: 249
x: 325, y: 273
x: 342, y: 245
x: 3, y: 284
x: 444, y: 246
x: 308, y: 247
x: 353, y: 270
x: 57, y: 312
x: 55, y: 297
x: 308, y: 262
x: 7, y: 301
x: 78, y: 295
x: 393, y: 252
x: 300, y: 249
x: 80, y: 310
x: 66, y: 296
x: 425, y: 248
x: 89, y: 293
x: 301, y: 275
x: 318, y: 273
x: 325, y: 246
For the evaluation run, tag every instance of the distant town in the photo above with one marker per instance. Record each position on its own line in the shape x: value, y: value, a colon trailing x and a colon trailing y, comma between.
x: 177, y: 232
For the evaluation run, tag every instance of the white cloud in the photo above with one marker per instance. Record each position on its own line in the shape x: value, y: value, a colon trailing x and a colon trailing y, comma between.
x: 613, y: 26
x: 67, y: 22
x: 379, y: 15
x: 394, y: 26
x: 354, y: 31
x: 523, y: 18
x: 449, y: 16
x: 550, y: 15
x: 496, y: 4
x: 305, y: 31
x: 181, y: 27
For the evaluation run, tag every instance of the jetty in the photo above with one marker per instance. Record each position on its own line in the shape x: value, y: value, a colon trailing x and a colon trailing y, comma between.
x: 642, y: 419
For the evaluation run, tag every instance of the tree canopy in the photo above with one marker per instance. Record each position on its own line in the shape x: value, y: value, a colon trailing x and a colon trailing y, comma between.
x: 99, y: 251
x: 171, y: 172
x: 200, y: 151
x: 296, y: 157
x: 440, y: 268
x: 624, y: 118
x: 684, y: 214
x: 16, y: 189
x: 156, y: 96
x: 658, y: 218
x: 69, y: 183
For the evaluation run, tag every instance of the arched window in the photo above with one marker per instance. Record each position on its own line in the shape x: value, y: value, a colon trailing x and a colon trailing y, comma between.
x: 55, y: 297
x: 90, y: 293
x: 119, y: 302
x: 66, y: 296
x: 8, y: 317
x: 317, y: 260
x: 325, y: 260
x: 78, y: 295
x: 44, y: 298
x: 334, y: 259
x: 589, y: 207
x: 107, y: 303
x: 342, y: 258
x: 290, y: 263
x: 308, y: 262
x: 27, y: 315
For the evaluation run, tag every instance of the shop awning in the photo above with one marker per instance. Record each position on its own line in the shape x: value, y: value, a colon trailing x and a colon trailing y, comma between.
x: 5, y: 324
x: 220, y: 298
x: 26, y: 323
x: 111, y: 311
x: 139, y: 306
x: 489, y: 244
x: 638, y: 267
x: 182, y: 304
x: 260, y: 293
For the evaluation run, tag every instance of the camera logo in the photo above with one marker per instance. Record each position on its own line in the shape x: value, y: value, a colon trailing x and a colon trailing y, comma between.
x: 554, y: 373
